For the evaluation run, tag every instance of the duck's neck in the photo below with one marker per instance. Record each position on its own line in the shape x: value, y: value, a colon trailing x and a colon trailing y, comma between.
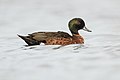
x: 78, y: 38
x: 76, y: 34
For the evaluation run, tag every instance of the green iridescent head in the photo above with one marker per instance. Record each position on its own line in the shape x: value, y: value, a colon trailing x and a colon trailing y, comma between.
x: 76, y: 24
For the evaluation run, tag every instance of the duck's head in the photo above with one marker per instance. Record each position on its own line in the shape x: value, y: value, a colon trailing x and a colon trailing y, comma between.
x: 77, y: 24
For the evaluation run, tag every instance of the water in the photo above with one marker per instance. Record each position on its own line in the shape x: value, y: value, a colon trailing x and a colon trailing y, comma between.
x: 97, y: 59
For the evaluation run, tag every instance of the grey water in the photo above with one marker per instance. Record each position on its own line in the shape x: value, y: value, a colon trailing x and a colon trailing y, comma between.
x: 97, y: 59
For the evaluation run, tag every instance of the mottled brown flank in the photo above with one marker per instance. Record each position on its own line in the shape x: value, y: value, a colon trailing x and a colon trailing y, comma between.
x: 75, y: 39
x: 58, y: 41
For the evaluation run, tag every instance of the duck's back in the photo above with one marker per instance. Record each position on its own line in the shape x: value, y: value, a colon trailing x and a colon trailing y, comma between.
x: 46, y: 35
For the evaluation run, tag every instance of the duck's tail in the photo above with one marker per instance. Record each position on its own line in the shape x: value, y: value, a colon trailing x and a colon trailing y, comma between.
x: 29, y: 40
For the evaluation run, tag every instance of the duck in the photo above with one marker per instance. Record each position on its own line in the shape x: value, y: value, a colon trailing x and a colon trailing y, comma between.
x: 59, y: 37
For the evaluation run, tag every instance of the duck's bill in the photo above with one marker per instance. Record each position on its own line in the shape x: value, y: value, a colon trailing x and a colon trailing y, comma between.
x: 86, y: 29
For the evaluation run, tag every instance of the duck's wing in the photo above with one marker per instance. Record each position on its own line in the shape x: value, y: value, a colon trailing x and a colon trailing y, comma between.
x: 46, y: 35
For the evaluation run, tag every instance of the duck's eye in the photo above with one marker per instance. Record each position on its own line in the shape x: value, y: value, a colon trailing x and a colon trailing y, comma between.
x: 78, y: 23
